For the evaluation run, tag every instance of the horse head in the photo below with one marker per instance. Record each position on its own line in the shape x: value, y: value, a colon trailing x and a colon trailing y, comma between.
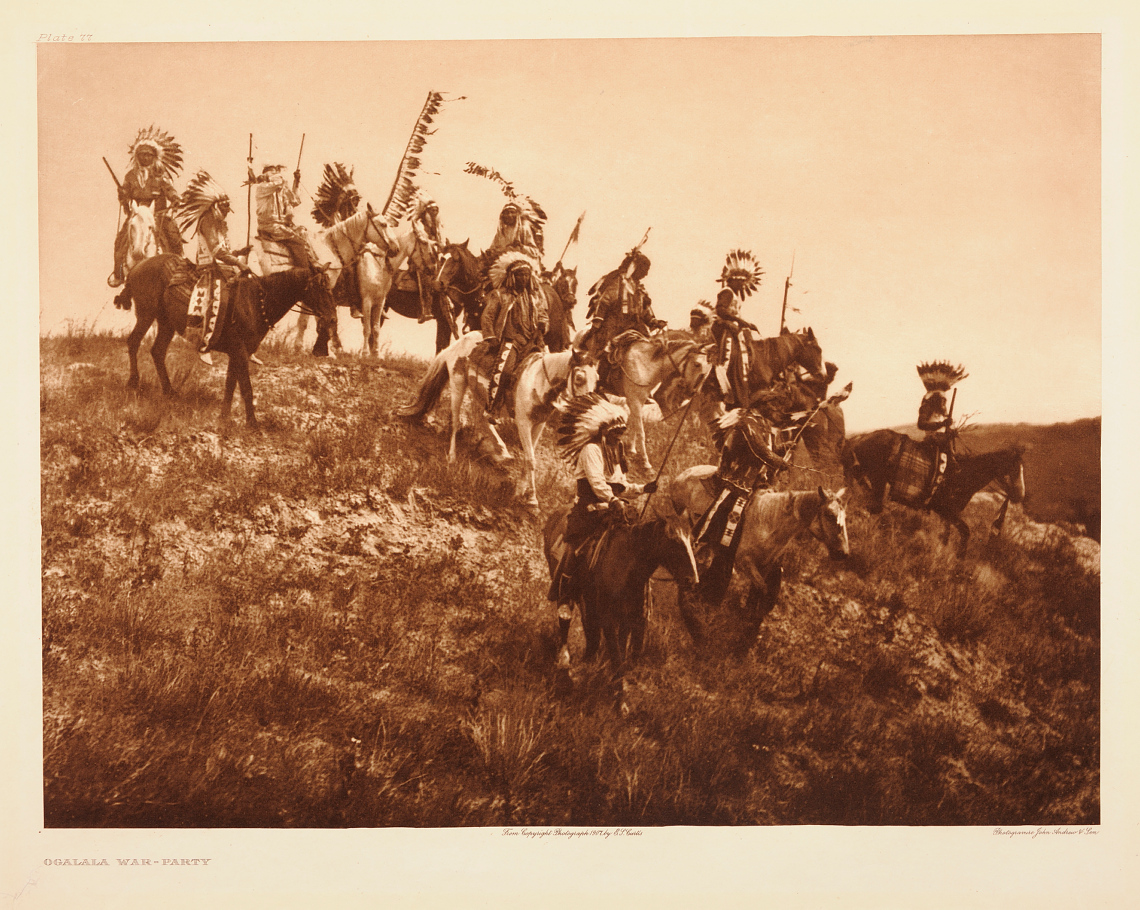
x: 583, y: 373
x: 1013, y: 482
x: 668, y: 544
x: 830, y: 523
x: 809, y: 355
x: 141, y: 237
x: 461, y: 281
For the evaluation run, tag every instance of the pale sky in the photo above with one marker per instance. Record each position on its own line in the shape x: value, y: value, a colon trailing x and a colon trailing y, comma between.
x: 940, y: 195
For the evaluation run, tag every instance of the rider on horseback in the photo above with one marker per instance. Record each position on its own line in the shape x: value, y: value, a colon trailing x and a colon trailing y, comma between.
x: 740, y: 277
x: 934, y: 413
x: 589, y: 438
x: 519, y: 229
x: 513, y: 322
x: 156, y: 157
x: 202, y: 211
x: 275, y: 201
x: 618, y: 303
x: 424, y: 257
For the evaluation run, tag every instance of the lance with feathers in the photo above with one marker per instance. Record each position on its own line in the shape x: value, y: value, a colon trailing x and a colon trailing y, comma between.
x: 404, y: 188
x: 573, y: 238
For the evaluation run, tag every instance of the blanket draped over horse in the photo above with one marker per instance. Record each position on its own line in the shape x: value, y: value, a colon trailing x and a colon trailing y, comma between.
x: 885, y: 459
x: 160, y: 289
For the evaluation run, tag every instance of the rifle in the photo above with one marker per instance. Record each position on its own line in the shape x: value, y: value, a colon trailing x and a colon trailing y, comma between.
x: 787, y: 284
x: 118, y: 186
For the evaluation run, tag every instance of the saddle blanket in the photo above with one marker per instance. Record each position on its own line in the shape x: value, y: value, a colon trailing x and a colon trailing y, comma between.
x: 209, y: 310
x: 913, y: 483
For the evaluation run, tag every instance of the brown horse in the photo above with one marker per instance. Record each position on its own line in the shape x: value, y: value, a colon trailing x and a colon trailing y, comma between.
x: 612, y: 596
x: 768, y: 525
x: 459, y: 291
x: 160, y: 288
x: 872, y: 460
x: 561, y: 289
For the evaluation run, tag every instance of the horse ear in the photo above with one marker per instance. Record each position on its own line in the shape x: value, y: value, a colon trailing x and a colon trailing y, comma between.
x: 810, y: 333
x: 842, y: 492
x: 823, y: 497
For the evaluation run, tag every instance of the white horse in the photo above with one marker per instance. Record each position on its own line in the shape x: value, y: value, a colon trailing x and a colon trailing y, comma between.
x: 543, y: 383
x: 645, y: 363
x: 142, y: 241
x: 362, y: 241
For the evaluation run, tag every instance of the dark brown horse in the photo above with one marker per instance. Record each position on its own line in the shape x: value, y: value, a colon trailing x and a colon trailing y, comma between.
x: 160, y: 288
x: 612, y: 595
x: 456, y: 290
x: 561, y: 289
x: 872, y: 460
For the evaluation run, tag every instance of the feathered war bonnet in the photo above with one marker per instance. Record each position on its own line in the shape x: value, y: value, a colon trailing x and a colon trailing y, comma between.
x: 167, y: 152
x: 586, y: 419
x: 940, y: 375
x: 200, y: 194
x: 337, y: 197
x: 741, y: 272
x: 507, y: 261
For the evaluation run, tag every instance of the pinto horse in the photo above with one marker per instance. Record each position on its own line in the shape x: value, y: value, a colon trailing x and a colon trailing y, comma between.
x: 542, y: 382
x: 160, y: 289
x: 873, y: 458
x: 612, y: 595
x: 768, y: 525
x: 640, y: 365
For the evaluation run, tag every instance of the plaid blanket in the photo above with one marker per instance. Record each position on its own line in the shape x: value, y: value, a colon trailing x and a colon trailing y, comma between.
x: 914, y: 474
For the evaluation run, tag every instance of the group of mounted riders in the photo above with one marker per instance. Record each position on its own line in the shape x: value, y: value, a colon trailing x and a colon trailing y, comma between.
x: 755, y: 438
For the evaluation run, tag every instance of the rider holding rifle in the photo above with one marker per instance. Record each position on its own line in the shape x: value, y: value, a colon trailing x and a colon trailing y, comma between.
x: 155, y: 158
x: 275, y: 200
x: 935, y: 414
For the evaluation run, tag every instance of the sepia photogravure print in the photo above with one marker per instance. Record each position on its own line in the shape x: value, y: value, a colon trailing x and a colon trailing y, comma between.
x: 569, y: 442
x: 631, y: 432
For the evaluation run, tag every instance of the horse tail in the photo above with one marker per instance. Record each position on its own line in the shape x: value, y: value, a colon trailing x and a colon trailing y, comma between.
x: 430, y: 389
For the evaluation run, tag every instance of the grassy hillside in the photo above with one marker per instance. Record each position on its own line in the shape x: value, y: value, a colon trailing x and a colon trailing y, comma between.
x: 324, y: 624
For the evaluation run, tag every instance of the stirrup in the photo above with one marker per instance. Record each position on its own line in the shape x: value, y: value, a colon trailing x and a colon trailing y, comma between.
x: 113, y: 280
x: 253, y: 358
x: 206, y: 357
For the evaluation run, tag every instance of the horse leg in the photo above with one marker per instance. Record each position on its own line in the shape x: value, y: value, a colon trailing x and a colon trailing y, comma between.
x: 457, y: 382
x: 158, y: 354
x: 964, y: 531
x: 133, y: 342
x: 228, y: 393
x: 639, y: 456
x: 299, y: 331
x: 240, y: 363
x: 528, y: 436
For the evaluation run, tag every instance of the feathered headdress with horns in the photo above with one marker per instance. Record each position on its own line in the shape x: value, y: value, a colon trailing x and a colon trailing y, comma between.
x: 741, y: 271
x: 499, y: 268
x: 404, y: 188
x: 167, y: 152
x: 940, y: 375
x: 585, y: 419
x: 529, y: 208
x: 337, y: 197
x: 200, y: 193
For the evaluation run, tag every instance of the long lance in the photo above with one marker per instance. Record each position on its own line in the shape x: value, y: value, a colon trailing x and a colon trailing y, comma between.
x: 572, y: 238
x: 249, y: 193
x: 297, y: 180
x: 787, y: 284
x: 680, y: 426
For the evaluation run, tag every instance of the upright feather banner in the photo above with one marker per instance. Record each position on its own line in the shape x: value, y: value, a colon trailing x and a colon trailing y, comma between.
x: 403, y: 193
